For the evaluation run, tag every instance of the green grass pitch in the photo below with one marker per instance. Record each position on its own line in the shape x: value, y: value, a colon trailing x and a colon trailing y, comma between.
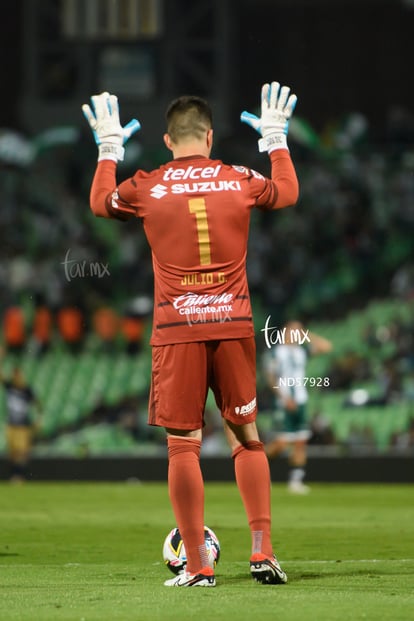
x: 92, y: 552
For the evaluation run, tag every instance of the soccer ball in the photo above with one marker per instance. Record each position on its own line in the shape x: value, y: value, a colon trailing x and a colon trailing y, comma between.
x: 174, y: 551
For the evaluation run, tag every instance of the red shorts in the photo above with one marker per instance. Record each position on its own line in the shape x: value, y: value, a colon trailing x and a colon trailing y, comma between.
x: 183, y: 373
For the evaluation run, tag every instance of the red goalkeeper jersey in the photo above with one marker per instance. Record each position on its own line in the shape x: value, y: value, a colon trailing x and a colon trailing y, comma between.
x: 195, y: 212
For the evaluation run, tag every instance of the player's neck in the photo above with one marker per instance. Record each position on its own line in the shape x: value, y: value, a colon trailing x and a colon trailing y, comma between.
x: 193, y: 149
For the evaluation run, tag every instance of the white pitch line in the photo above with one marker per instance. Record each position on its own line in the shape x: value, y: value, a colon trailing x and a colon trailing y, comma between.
x: 359, y: 560
x: 10, y: 564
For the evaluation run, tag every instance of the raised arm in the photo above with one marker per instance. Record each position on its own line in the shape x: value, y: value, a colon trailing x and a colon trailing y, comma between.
x: 277, y: 106
x: 110, y: 137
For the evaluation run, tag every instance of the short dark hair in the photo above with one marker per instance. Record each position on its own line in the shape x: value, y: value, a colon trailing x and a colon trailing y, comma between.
x: 188, y: 116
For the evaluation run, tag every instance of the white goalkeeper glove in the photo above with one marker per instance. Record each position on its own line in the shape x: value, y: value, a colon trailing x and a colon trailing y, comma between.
x: 107, y: 130
x: 273, y: 125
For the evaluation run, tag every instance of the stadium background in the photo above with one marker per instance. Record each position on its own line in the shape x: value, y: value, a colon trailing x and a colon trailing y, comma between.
x: 341, y: 261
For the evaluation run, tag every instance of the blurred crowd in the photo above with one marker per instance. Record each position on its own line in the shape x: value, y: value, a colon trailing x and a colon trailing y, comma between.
x: 70, y: 325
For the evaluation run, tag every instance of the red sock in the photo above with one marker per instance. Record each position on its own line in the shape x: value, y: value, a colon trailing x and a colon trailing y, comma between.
x: 186, y: 489
x: 253, y: 480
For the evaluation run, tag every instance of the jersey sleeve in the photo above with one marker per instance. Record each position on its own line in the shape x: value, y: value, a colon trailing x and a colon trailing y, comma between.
x: 106, y: 198
x: 282, y: 190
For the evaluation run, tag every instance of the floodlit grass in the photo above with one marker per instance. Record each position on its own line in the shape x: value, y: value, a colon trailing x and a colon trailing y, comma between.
x: 92, y: 552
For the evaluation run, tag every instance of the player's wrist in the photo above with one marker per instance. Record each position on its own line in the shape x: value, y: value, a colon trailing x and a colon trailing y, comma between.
x: 110, y: 151
x: 271, y: 142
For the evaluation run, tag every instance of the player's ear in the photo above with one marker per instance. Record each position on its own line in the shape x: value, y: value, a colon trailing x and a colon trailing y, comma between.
x: 167, y: 142
x: 209, y: 138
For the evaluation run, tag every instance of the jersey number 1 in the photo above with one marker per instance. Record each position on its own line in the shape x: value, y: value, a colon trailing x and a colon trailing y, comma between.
x: 197, y: 206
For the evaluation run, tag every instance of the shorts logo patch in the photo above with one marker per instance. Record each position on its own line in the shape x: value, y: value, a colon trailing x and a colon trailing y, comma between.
x: 245, y: 410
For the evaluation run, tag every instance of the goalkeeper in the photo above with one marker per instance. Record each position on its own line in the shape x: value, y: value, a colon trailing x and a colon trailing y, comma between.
x: 195, y: 211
